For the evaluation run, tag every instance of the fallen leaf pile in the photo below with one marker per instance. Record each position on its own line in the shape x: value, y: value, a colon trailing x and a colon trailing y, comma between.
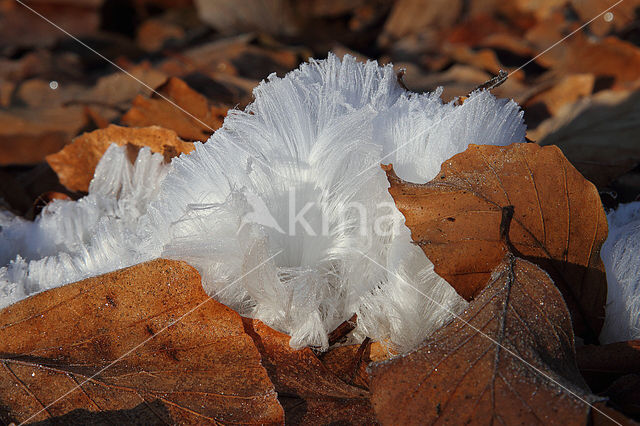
x: 516, y: 230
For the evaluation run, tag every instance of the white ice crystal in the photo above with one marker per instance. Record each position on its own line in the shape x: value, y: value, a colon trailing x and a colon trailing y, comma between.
x: 72, y: 240
x: 621, y: 256
x: 285, y: 211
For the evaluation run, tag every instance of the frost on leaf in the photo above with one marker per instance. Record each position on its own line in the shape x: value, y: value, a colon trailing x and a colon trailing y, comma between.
x: 558, y: 222
x: 509, y: 359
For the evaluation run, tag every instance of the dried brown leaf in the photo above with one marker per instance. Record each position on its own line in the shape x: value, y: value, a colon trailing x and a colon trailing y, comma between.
x: 309, y: 392
x: 188, y: 114
x: 623, y: 14
x: 22, y: 149
x: 601, y: 365
x: 144, y: 344
x: 598, y: 134
x: 28, y: 135
x: 21, y: 27
x: 568, y: 90
x: 559, y: 222
x: 77, y: 162
x: 468, y: 370
x: 410, y: 17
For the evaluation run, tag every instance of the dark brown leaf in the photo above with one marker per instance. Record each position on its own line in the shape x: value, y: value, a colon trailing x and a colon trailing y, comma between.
x: 468, y: 371
x: 28, y: 135
x: 308, y: 391
x: 601, y: 365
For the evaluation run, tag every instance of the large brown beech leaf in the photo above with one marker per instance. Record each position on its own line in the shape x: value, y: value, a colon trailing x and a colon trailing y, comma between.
x: 468, y: 372
x: 308, y: 391
x: 76, y: 163
x: 558, y: 222
x: 176, y: 363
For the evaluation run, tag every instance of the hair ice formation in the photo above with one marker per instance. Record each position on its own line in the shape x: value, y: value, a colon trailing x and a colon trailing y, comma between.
x: 310, y: 144
x: 621, y: 257
x: 73, y: 240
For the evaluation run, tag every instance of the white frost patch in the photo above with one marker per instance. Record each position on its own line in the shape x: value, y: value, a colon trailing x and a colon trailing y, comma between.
x: 285, y: 211
x: 621, y: 256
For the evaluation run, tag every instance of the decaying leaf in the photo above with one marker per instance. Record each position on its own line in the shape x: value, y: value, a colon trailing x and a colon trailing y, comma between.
x: 140, y: 345
x: 558, y: 222
x: 76, y: 163
x: 192, y: 119
x: 599, y: 134
x: 468, y: 371
x: 308, y: 391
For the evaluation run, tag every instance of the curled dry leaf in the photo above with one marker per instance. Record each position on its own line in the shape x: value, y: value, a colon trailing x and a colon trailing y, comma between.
x: 558, y: 222
x: 468, y: 372
x: 188, y: 114
x: 309, y: 392
x: 141, y: 345
x: 76, y: 163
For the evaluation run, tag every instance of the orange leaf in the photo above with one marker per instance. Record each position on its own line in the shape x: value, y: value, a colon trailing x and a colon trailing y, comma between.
x: 76, y: 163
x: 144, y: 344
x: 558, y: 222
x: 468, y: 370
x: 188, y: 114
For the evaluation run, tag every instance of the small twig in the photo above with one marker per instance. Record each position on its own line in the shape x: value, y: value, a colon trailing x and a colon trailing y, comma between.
x: 342, y: 330
x: 366, y: 343
x: 494, y: 82
x: 400, y: 76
